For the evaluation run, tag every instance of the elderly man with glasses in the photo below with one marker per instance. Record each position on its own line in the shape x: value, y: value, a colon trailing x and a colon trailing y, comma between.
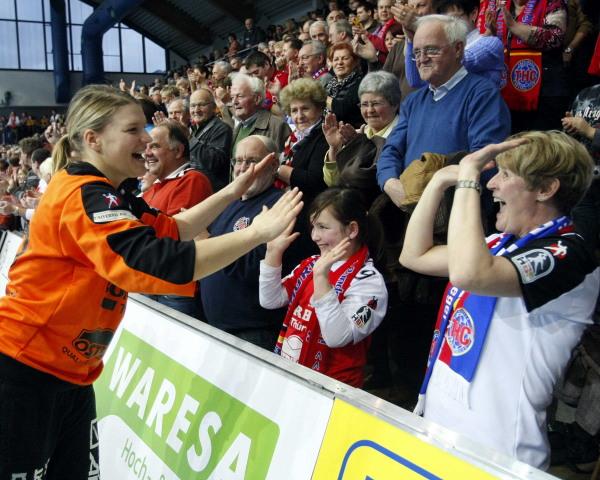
x: 230, y: 296
x: 457, y: 111
x: 313, y: 60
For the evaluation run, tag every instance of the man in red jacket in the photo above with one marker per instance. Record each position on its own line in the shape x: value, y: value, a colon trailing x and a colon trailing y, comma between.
x: 177, y: 187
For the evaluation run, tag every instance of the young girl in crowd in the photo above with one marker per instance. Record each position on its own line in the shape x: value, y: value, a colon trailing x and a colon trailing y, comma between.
x: 335, y: 300
x: 89, y: 243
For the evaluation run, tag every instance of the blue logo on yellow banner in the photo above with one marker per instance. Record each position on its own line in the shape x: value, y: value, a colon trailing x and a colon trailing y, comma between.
x: 367, y: 460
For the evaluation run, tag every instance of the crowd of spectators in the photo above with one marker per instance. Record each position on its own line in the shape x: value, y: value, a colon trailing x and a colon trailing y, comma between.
x: 355, y: 95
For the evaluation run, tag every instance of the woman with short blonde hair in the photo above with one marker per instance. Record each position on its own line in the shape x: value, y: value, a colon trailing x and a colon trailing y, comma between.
x: 517, y: 302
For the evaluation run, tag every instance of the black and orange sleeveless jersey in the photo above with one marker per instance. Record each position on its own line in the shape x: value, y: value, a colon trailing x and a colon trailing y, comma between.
x: 88, y: 245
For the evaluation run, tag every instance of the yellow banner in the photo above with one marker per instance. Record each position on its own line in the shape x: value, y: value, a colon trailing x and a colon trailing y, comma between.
x: 359, y: 446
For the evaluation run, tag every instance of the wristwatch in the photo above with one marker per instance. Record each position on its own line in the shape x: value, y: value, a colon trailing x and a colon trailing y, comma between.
x: 568, y: 50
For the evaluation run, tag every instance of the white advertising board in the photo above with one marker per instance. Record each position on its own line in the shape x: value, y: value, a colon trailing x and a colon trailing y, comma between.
x: 10, y: 245
x: 175, y: 403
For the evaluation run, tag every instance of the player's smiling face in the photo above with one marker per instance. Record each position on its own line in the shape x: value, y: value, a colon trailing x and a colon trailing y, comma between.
x: 121, y: 143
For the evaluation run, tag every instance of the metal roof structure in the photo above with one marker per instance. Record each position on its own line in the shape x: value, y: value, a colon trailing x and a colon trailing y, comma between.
x: 192, y: 27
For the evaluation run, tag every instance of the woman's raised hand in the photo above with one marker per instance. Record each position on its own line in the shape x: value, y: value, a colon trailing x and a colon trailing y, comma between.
x: 484, y: 158
x: 332, y: 132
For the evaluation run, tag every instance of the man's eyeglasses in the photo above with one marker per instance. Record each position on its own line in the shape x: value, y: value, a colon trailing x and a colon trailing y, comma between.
x: 427, y: 52
x: 247, y: 161
x: 306, y: 57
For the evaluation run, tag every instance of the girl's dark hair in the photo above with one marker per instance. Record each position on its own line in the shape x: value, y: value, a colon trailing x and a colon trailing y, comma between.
x: 348, y: 205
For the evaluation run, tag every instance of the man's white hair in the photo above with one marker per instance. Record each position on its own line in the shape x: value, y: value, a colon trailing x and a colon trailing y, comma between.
x: 256, y: 84
x: 456, y: 30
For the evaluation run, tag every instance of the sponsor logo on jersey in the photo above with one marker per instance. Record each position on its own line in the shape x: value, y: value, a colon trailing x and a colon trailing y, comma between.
x: 302, y: 314
x: 362, y: 316
x: 525, y: 75
x: 534, y: 264
x: 111, y: 200
x: 460, y: 332
x: 112, y: 215
x: 241, y: 223
x: 93, y: 343
x: 318, y: 359
x: 558, y: 249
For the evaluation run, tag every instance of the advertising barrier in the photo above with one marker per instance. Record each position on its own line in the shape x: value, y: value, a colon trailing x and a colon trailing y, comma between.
x: 358, y: 445
x: 179, y: 399
x: 10, y: 243
x: 174, y: 404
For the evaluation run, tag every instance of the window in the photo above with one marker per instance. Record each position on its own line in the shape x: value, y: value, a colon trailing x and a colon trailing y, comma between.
x: 155, y: 57
x: 112, y: 51
x: 26, y: 40
x: 79, y: 11
x: 7, y: 9
x: 9, y: 57
x: 133, y: 54
x: 31, y: 46
x: 30, y: 10
x: 49, y: 58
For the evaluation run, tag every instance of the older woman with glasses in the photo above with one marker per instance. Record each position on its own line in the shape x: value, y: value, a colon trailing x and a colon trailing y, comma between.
x: 379, y: 94
x: 342, y: 89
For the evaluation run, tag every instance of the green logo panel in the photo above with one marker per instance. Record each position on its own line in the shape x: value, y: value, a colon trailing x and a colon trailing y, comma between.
x: 193, y: 426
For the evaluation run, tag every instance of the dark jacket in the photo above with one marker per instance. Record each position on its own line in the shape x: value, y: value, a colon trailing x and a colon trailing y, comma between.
x: 309, y: 155
x: 268, y: 125
x: 345, y: 104
x: 357, y: 165
x: 395, y: 64
x: 307, y: 175
x: 210, y: 151
x: 252, y: 37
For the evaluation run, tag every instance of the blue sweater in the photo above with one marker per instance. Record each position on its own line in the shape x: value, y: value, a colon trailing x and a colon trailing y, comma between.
x: 230, y: 296
x: 470, y: 116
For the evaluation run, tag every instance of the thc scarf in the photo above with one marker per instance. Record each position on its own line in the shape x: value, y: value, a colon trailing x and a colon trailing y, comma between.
x: 463, y: 322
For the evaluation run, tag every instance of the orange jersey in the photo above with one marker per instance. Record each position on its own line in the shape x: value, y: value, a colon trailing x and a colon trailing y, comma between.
x: 88, y: 245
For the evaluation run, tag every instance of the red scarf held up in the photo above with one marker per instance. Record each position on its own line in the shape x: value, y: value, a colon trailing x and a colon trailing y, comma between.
x: 300, y: 331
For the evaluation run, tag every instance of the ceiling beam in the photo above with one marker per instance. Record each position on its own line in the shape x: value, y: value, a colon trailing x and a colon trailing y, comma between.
x: 179, y: 20
x: 150, y: 35
x: 238, y: 9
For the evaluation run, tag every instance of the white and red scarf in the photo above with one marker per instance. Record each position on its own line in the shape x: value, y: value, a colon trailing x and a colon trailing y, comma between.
x: 300, y: 336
